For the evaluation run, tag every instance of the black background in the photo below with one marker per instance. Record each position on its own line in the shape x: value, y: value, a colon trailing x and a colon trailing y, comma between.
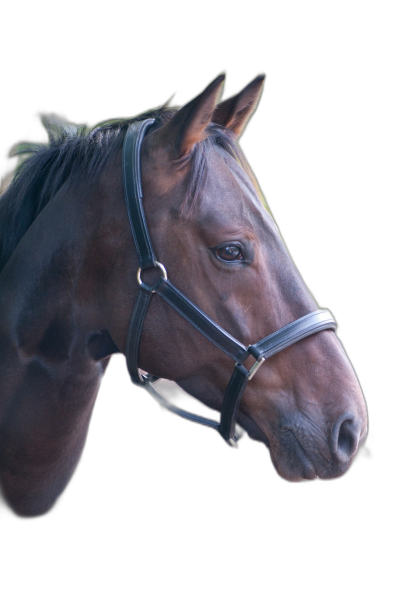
x: 310, y: 147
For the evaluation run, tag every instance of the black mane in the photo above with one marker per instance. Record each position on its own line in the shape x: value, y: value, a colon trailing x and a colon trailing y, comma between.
x: 77, y: 155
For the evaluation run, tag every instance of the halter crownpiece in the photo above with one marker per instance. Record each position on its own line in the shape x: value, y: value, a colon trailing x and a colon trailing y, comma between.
x: 311, y: 323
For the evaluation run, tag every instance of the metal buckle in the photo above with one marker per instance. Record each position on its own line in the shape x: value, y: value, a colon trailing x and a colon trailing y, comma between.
x: 255, y: 367
x: 158, y: 265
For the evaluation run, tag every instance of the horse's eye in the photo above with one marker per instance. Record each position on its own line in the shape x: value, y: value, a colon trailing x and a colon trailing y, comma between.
x: 229, y: 253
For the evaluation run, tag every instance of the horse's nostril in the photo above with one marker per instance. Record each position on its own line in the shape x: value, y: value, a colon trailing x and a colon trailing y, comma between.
x: 345, y: 437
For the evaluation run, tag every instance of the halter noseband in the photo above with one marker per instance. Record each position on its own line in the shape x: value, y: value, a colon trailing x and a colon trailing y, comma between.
x: 313, y: 322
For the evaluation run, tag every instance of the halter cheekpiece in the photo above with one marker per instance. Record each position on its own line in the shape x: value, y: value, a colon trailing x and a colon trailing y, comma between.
x: 309, y: 324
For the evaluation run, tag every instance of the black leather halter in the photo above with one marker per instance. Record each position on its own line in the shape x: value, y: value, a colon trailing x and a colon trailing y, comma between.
x: 286, y: 336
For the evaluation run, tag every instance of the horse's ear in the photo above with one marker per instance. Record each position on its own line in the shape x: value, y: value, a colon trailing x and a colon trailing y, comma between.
x: 235, y: 112
x: 186, y: 127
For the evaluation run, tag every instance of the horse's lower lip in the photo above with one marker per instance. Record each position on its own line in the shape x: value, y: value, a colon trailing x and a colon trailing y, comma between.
x: 303, y: 469
x: 309, y: 471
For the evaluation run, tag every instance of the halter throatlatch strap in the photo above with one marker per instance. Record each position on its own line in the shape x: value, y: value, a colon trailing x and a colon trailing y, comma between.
x: 295, y: 331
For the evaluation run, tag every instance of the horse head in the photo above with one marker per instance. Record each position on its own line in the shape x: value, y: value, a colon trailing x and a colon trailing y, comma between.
x: 211, y: 229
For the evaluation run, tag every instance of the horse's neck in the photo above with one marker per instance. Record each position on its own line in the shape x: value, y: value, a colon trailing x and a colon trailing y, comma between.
x: 53, y: 350
x: 42, y: 297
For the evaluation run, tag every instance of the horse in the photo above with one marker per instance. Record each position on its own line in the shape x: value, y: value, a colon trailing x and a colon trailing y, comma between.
x: 68, y: 291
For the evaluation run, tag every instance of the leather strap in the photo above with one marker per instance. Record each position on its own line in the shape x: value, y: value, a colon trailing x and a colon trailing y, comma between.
x: 316, y: 321
x: 135, y: 333
x: 204, y: 324
x: 133, y: 191
x: 230, y: 405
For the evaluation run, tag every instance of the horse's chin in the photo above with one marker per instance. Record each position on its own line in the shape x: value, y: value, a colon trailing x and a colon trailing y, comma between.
x: 300, y: 467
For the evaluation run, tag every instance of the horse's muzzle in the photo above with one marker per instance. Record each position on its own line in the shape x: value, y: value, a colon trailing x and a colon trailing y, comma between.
x: 304, y: 451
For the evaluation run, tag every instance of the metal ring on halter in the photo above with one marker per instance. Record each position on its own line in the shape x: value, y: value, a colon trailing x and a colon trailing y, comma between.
x: 158, y: 265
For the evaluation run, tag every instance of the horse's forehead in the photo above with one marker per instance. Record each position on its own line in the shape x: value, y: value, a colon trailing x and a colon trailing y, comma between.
x: 229, y: 190
x: 226, y: 175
